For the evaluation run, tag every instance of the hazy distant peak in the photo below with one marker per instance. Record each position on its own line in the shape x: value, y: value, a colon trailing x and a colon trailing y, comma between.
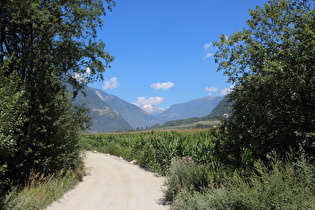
x: 195, y: 108
x: 99, y: 95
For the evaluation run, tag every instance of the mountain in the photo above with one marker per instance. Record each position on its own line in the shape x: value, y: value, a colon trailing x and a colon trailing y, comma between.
x: 110, y: 113
x: 223, y: 109
x: 195, y: 108
x: 134, y: 115
x: 104, y: 118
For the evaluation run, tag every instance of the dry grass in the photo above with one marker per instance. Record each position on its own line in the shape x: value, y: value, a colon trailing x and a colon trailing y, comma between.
x: 41, y: 190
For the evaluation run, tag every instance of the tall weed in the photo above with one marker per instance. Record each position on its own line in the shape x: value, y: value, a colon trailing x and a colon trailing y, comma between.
x: 186, y: 176
x: 41, y: 190
x: 279, y: 185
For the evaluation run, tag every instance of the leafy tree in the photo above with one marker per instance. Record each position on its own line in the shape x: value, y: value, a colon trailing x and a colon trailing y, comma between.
x: 45, y: 47
x: 271, y: 64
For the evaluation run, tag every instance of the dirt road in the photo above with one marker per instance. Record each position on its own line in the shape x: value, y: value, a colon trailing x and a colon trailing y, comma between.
x: 113, y: 183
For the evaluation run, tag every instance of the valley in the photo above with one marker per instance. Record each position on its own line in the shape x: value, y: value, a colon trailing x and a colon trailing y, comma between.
x: 110, y: 113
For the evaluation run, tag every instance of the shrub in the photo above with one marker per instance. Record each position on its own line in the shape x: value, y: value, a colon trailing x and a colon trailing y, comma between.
x: 186, y: 176
x: 216, y: 199
x: 279, y: 185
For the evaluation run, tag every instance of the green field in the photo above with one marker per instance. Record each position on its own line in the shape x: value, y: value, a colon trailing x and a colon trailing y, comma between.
x: 154, y: 150
x: 200, y: 124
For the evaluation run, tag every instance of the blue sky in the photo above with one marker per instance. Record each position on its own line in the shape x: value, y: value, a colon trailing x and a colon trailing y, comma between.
x: 162, y: 48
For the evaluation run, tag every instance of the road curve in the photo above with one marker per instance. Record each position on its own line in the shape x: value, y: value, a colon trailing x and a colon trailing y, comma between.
x: 113, y: 183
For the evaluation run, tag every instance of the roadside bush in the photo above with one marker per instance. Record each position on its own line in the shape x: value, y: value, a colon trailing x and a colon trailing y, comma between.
x: 282, y: 187
x: 279, y: 185
x: 216, y: 199
x: 46, y: 141
x: 186, y: 176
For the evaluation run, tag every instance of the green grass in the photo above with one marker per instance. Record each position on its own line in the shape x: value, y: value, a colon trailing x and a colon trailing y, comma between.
x: 42, y: 190
x: 193, y: 125
x: 280, y: 185
x: 185, y: 175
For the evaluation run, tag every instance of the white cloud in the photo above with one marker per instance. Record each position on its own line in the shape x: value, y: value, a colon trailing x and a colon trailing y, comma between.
x: 211, y: 90
x: 111, y: 84
x: 82, y: 77
x: 149, y: 104
x: 162, y: 86
x: 141, y: 101
x: 207, y: 46
x: 227, y: 90
x: 208, y: 55
x: 148, y: 108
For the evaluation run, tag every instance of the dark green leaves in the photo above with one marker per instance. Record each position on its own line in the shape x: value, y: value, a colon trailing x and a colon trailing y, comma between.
x: 271, y: 65
x: 46, y: 47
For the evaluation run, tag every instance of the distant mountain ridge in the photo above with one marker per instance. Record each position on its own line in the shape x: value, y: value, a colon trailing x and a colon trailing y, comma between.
x: 134, y: 115
x: 195, y: 108
x: 223, y: 109
x: 110, y: 113
x: 104, y: 118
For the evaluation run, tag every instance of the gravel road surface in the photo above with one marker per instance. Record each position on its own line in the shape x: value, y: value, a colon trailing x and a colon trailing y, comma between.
x: 113, y: 183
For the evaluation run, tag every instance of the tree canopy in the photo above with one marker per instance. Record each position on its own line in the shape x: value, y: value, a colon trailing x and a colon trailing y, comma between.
x: 271, y: 64
x: 46, y: 47
x: 53, y: 36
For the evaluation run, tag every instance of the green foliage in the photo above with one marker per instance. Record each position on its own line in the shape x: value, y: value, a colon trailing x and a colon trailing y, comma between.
x: 154, y: 150
x: 13, y: 110
x: 195, y: 179
x: 45, y: 46
x: 181, y: 122
x: 188, y: 177
x: 45, y: 140
x: 42, y: 190
x: 190, y: 123
x: 271, y: 65
x: 279, y: 185
x: 44, y: 38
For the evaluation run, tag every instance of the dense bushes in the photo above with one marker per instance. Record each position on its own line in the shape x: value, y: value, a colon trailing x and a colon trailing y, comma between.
x: 188, y: 177
x: 43, y: 139
x: 270, y: 64
x: 279, y: 185
x: 46, y: 48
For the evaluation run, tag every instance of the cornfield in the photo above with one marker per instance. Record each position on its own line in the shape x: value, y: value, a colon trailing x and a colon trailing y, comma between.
x: 154, y: 150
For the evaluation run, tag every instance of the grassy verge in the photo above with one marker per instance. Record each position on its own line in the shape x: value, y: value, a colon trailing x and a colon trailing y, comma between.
x: 279, y: 185
x: 41, y: 191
